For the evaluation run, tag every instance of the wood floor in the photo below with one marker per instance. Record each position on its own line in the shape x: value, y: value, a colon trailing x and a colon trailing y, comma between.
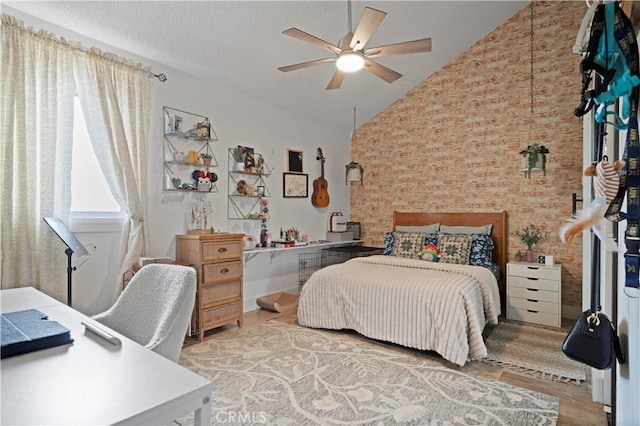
x: 576, y: 407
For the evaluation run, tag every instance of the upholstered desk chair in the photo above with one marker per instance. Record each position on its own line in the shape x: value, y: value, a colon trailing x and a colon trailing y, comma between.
x: 155, y: 308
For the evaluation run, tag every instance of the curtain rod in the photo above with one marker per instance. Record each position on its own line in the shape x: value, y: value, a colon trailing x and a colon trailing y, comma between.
x: 19, y: 24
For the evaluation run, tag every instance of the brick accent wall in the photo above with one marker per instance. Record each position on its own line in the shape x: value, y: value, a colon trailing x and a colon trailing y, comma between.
x: 452, y: 143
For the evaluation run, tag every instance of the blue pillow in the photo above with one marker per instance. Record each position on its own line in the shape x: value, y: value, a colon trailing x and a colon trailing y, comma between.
x: 389, y: 241
x: 481, y: 251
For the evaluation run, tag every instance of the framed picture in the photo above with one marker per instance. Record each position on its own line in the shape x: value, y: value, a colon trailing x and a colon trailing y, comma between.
x: 295, y: 185
x: 294, y: 161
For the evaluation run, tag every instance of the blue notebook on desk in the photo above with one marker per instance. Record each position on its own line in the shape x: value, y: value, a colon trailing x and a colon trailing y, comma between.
x: 30, y: 330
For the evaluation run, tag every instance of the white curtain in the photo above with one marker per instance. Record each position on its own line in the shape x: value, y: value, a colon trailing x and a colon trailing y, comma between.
x: 40, y: 74
x: 36, y: 128
x: 115, y: 97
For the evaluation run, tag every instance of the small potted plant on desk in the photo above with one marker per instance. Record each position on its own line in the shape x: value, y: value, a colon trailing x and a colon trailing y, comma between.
x: 206, y: 158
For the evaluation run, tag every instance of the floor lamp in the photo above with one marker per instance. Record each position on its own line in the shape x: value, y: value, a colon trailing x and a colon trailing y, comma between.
x: 73, y: 247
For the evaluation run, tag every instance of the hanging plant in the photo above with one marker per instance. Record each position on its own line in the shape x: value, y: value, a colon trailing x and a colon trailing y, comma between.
x: 531, y: 155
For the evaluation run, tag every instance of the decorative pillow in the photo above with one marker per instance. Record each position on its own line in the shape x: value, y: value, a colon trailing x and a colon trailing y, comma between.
x: 481, y: 251
x: 427, y: 229
x: 454, y: 248
x: 408, y: 244
x: 485, y: 229
x: 429, y: 253
x: 389, y: 241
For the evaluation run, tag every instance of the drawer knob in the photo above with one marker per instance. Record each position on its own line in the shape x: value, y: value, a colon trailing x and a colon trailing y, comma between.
x: 532, y: 289
x: 532, y: 300
x: 222, y: 250
x: 224, y: 271
x: 533, y: 267
x: 532, y: 279
x: 532, y: 311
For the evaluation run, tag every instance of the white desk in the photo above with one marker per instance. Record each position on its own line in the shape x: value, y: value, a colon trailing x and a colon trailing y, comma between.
x: 92, y: 381
x: 273, y: 252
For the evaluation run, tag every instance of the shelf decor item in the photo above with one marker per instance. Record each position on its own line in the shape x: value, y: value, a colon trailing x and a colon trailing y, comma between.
x: 531, y: 235
x: 206, y: 158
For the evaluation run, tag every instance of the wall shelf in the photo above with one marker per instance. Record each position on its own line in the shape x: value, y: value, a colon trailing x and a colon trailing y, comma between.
x: 246, y: 206
x: 187, y: 139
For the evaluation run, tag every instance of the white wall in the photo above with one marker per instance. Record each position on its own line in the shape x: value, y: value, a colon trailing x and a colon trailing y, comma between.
x: 237, y: 120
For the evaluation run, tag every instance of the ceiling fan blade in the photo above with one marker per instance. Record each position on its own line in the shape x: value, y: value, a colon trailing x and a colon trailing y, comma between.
x: 387, y: 74
x: 415, y: 46
x: 368, y: 24
x: 336, y: 80
x: 305, y: 64
x: 301, y: 35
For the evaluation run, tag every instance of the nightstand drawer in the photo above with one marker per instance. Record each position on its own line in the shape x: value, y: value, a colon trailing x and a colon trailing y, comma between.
x: 544, y: 318
x: 221, y: 250
x: 216, y: 272
x: 529, y: 293
x: 534, y: 283
x: 532, y: 271
x: 532, y: 305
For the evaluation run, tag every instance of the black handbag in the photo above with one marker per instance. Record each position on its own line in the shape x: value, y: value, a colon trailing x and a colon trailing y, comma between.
x: 593, y: 341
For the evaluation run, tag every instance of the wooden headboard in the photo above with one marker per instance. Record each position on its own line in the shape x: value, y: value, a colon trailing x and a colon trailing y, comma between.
x: 498, y: 233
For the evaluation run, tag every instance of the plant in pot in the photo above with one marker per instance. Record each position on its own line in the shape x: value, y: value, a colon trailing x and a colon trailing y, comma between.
x: 206, y: 158
x: 535, y: 157
x: 531, y: 235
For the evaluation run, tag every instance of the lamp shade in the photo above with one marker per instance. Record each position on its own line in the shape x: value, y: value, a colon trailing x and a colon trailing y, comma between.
x: 350, y: 62
x: 354, y: 172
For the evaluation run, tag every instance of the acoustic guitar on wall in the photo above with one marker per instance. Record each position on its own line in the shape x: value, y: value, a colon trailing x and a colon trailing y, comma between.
x: 320, y: 196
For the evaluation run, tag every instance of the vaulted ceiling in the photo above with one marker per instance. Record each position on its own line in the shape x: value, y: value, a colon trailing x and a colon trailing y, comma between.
x: 239, y: 44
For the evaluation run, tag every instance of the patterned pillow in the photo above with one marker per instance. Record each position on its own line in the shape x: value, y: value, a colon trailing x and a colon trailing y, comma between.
x: 454, y: 248
x: 408, y: 244
x: 389, y: 242
x: 390, y: 239
x: 481, y: 251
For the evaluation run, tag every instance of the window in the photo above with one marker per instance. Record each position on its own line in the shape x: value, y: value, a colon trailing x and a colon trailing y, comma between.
x: 90, y: 194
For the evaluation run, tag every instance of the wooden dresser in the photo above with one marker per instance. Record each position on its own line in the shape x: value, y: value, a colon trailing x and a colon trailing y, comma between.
x: 218, y: 260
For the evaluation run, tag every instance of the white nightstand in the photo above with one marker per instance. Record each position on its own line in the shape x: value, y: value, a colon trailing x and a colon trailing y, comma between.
x: 534, y: 293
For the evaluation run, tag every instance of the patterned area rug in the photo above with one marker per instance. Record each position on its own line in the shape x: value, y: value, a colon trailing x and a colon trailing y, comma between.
x: 534, y: 350
x: 283, y: 374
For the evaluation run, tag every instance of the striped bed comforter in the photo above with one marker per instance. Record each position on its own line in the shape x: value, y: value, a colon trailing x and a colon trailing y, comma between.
x: 423, y: 305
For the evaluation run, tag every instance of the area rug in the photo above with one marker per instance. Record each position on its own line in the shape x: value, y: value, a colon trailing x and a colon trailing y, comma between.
x: 533, y: 350
x: 283, y: 374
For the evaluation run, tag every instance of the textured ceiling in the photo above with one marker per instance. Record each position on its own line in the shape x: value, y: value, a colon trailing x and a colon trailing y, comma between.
x: 239, y: 44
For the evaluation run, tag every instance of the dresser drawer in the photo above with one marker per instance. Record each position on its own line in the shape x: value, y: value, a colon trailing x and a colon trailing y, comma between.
x: 216, y: 294
x: 532, y: 305
x: 221, y: 250
x: 534, y: 283
x: 530, y: 293
x: 215, y: 272
x: 532, y: 271
x: 220, y: 315
x: 544, y: 318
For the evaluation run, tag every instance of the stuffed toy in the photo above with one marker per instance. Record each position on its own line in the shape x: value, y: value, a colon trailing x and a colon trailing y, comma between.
x: 429, y: 253
x: 606, y: 178
x: 204, y: 179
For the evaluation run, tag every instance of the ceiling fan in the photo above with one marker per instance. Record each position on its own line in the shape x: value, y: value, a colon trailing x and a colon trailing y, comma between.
x: 351, y: 54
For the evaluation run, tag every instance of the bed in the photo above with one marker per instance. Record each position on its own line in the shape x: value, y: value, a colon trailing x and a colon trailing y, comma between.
x: 436, y: 306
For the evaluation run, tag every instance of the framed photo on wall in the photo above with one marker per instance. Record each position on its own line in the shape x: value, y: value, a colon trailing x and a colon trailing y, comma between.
x: 295, y: 185
x: 294, y: 161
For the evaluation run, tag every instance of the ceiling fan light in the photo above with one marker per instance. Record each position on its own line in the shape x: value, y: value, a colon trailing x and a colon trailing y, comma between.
x: 350, y: 62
